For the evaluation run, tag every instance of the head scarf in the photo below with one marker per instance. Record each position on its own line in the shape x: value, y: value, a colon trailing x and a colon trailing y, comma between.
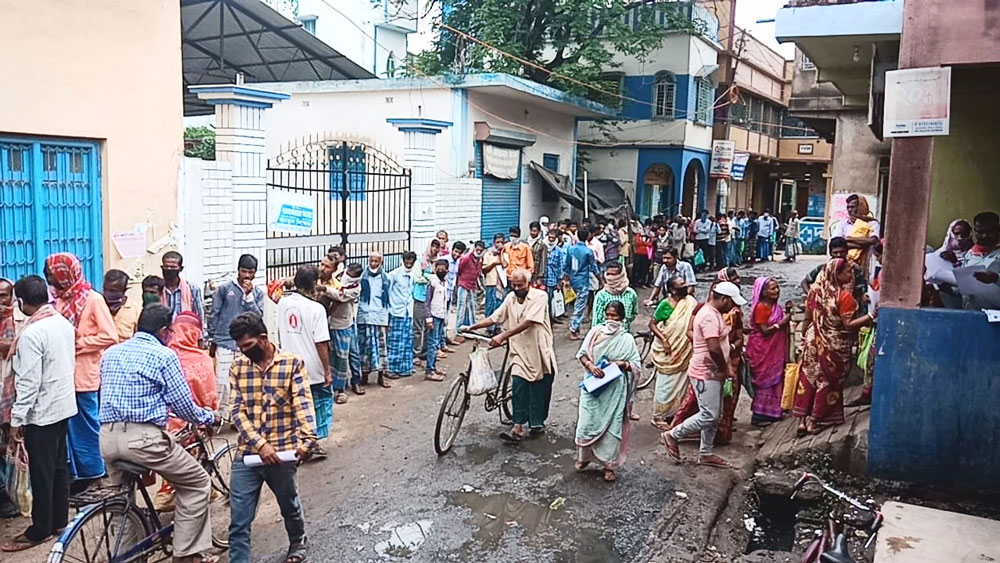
x: 616, y: 283
x: 825, y: 292
x: 71, y: 289
x: 759, y: 285
x: 7, y: 313
x: 429, y: 256
x: 951, y: 241
x: 864, y: 211
x: 722, y: 276
x: 195, y: 363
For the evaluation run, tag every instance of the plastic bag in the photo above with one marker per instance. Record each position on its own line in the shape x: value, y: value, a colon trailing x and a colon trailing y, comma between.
x: 17, y: 478
x: 699, y: 259
x: 727, y: 388
x: 867, y: 338
x: 481, y: 377
x: 569, y: 295
x: 746, y: 378
x: 791, y: 385
x: 595, y: 282
x: 687, y: 251
x: 558, y: 304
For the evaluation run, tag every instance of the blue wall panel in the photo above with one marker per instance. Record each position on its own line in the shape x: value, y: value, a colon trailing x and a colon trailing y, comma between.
x: 935, y: 415
x: 678, y: 159
x: 501, y: 207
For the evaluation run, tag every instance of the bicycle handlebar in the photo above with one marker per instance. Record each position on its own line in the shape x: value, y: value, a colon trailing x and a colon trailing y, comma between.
x: 877, y: 522
x: 479, y: 337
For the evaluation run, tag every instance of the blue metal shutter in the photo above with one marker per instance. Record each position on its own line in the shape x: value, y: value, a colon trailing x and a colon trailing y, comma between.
x: 501, y: 208
x: 50, y: 201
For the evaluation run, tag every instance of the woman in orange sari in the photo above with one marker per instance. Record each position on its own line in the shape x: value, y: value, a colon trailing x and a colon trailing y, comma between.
x: 826, y: 350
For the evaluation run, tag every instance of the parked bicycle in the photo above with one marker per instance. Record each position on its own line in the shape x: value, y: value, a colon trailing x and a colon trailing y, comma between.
x: 831, y: 545
x: 113, y: 528
x: 456, y: 401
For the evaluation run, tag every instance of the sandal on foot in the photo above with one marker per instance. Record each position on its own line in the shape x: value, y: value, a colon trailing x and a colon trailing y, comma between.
x: 673, y: 448
x: 340, y: 397
x: 511, y: 437
x: 609, y: 476
x: 21, y: 543
x: 392, y: 376
x: 296, y: 554
x: 714, y: 461
x: 434, y: 377
x: 661, y: 425
x: 383, y: 383
x: 581, y: 465
x: 358, y: 389
x: 633, y: 416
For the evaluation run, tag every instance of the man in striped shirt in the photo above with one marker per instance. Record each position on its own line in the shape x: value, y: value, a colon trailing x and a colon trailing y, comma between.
x: 273, y: 412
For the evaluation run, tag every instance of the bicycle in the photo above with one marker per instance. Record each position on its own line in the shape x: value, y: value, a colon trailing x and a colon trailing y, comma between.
x: 111, y: 527
x: 831, y: 545
x: 456, y: 400
x: 648, y: 373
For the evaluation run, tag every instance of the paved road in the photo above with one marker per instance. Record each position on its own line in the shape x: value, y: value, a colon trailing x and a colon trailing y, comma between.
x: 383, y: 494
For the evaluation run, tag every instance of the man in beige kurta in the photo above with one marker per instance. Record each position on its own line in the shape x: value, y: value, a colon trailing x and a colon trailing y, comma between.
x: 524, y: 316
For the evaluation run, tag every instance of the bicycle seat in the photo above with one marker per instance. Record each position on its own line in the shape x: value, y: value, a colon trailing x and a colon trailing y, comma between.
x: 131, y: 468
x: 838, y: 553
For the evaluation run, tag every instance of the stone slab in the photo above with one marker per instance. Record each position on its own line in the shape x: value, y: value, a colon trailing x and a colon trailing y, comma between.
x: 916, y: 534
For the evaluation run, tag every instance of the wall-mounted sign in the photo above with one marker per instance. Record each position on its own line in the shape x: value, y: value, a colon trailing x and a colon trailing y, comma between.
x: 917, y: 102
x: 740, y: 161
x: 805, y: 148
x: 721, y: 165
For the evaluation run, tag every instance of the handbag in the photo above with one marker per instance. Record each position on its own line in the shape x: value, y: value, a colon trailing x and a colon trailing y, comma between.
x: 482, y: 378
x: 558, y: 304
x: 791, y: 385
x: 17, y: 478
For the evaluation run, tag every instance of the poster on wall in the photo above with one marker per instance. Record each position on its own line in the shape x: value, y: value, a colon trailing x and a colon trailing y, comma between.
x: 917, y: 102
x: 721, y: 165
x: 740, y: 161
x: 289, y: 212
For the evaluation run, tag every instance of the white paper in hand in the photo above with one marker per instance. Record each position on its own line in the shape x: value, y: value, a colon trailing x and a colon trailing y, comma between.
x: 611, y: 373
x: 939, y: 270
x: 968, y: 284
x: 253, y: 460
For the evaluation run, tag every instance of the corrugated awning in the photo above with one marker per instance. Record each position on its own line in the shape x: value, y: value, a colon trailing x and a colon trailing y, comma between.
x: 607, y: 198
x: 220, y: 38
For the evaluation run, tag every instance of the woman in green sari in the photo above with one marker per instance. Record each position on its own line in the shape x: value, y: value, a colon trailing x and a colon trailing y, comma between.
x: 602, y: 431
x: 672, y: 351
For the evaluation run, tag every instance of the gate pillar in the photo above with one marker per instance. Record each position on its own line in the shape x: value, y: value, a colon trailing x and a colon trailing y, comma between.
x: 420, y: 155
x: 240, y: 139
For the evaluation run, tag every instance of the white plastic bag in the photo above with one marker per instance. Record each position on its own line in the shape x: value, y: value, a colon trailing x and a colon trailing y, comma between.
x: 17, y: 478
x: 481, y: 378
x: 558, y: 304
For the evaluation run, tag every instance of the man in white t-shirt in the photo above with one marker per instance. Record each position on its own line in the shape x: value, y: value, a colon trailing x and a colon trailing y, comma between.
x: 303, y: 331
x: 766, y: 225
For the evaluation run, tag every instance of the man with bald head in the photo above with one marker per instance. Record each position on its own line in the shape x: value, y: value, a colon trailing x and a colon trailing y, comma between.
x: 373, y: 320
x: 524, y: 316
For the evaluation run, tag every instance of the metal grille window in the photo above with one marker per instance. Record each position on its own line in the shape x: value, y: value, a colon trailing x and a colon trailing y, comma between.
x: 50, y: 201
x: 704, y: 102
x: 664, y: 89
x: 353, y: 158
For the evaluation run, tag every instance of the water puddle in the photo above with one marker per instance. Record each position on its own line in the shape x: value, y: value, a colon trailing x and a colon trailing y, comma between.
x: 403, y: 540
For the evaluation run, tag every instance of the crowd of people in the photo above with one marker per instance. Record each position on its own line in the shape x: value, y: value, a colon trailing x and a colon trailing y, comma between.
x: 90, y: 378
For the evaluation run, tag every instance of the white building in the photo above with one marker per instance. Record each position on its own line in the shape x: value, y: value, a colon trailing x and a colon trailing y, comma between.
x: 467, y: 141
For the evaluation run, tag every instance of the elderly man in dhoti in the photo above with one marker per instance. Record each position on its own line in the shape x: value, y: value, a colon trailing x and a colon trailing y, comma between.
x: 524, y: 317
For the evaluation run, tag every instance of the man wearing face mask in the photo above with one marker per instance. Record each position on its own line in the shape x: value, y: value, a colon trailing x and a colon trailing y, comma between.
x: 141, y: 380
x: 556, y: 263
x: 539, y: 254
x: 124, y: 311
x: 152, y: 290
x: 178, y: 294
x: 517, y: 254
x: 524, y: 317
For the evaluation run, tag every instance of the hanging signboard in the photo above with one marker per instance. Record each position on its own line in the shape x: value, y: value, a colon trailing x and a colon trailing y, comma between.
x: 721, y: 165
x: 289, y: 212
x: 740, y: 161
x: 917, y: 102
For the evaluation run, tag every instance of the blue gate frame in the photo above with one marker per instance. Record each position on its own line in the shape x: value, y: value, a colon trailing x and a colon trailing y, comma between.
x: 50, y: 201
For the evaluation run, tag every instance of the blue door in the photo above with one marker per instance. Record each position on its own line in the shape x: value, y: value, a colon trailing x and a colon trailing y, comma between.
x: 501, y: 208
x: 50, y: 201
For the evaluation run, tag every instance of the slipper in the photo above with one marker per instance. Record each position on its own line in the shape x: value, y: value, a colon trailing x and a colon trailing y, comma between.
x: 391, y: 376
x: 575, y: 336
x: 21, y: 543
x: 510, y: 436
x: 609, y: 476
x: 673, y: 448
x: 633, y: 416
x: 296, y: 554
x: 340, y: 398
x: 536, y: 432
x: 661, y: 425
x: 358, y: 389
x: 581, y: 465
x: 434, y: 377
x: 714, y: 461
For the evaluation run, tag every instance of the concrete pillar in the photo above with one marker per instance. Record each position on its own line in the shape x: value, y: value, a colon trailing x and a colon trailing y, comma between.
x: 240, y: 140
x: 420, y: 156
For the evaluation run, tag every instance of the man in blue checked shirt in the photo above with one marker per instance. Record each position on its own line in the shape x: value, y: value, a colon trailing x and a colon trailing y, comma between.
x: 140, y: 380
x: 556, y: 263
x: 580, y: 264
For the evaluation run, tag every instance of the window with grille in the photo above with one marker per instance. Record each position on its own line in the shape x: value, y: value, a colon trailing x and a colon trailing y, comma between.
x: 704, y: 102
x: 664, y: 89
x: 614, y: 83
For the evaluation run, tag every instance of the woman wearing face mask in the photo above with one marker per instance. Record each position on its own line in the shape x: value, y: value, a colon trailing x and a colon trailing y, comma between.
x: 602, y: 430
x: 671, y: 351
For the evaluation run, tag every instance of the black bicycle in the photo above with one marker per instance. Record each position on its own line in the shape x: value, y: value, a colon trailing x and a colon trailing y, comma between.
x: 644, y: 339
x: 831, y: 545
x: 113, y: 528
x: 456, y: 401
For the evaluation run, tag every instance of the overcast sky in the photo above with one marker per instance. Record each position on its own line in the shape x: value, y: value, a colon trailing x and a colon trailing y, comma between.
x: 747, y: 14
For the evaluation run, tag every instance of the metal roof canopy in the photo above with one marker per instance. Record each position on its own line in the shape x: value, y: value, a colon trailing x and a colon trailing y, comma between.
x: 220, y: 38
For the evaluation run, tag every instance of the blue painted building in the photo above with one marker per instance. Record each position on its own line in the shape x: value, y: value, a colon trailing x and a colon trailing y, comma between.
x: 660, y: 143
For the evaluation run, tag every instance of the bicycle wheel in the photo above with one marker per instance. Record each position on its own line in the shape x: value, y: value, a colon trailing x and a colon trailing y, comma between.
x: 219, y: 472
x: 101, y: 533
x: 451, y: 414
x: 506, y: 393
x: 648, y: 374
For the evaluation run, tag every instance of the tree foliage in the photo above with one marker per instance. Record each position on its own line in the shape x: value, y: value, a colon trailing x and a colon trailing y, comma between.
x: 199, y: 142
x: 574, y: 38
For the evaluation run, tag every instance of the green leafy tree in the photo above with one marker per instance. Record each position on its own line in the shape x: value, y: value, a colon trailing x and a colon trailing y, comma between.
x: 577, y: 39
x: 199, y: 142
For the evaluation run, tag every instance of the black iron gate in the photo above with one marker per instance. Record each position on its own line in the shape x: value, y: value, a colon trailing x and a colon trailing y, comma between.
x: 361, y: 200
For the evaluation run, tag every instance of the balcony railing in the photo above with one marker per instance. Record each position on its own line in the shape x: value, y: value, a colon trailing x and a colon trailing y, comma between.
x: 807, y: 3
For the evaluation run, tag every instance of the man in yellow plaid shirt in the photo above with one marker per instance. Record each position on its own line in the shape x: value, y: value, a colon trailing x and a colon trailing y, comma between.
x: 273, y: 411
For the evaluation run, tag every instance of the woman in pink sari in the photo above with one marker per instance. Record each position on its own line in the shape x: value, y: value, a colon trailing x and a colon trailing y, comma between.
x: 767, y: 351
